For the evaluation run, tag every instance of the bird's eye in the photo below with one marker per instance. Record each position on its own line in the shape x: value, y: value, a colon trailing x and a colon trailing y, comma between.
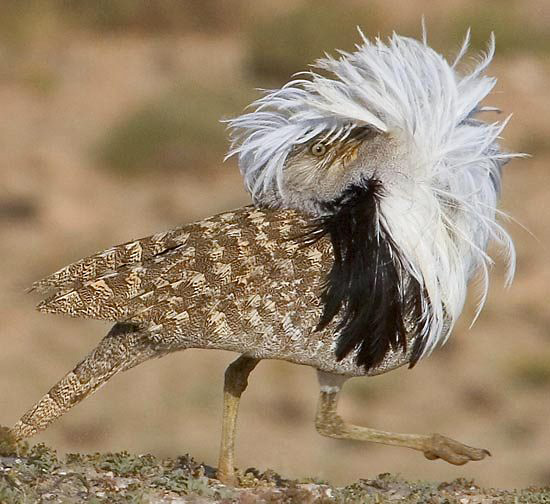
x: 318, y: 149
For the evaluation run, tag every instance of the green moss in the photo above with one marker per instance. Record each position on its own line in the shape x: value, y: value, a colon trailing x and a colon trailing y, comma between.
x: 125, y: 478
x: 8, y: 443
x: 10, y: 494
x: 124, y: 464
x: 514, y: 31
x: 20, y: 18
x: 532, y: 371
x: 179, y: 131
x: 42, y: 458
x: 42, y: 80
x: 279, y: 46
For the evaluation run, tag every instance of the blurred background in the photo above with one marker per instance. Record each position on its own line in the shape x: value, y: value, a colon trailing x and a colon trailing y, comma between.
x: 110, y: 131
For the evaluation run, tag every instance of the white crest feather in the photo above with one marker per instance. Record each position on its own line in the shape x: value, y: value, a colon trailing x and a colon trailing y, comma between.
x: 443, y: 220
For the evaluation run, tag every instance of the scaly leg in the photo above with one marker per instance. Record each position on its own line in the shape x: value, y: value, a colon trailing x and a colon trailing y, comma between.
x: 124, y: 347
x: 330, y: 424
x: 236, y: 381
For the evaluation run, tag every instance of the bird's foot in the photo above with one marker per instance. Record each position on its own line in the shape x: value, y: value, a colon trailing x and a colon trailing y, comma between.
x: 441, y: 447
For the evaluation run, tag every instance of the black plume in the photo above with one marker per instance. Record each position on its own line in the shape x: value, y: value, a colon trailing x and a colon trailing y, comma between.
x: 367, y: 284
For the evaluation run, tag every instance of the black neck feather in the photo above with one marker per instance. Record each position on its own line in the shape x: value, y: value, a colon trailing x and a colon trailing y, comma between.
x: 379, y: 304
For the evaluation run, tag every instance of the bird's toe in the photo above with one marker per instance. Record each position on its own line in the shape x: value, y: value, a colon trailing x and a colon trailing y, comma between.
x: 454, y: 452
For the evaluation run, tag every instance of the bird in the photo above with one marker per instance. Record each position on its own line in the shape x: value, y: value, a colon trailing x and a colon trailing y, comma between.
x: 374, y: 188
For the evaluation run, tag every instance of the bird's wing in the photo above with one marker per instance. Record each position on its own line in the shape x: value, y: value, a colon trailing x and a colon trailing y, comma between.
x: 161, y: 279
x: 111, y: 260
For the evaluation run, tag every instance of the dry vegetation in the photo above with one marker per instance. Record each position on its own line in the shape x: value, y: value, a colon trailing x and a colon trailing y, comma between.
x: 37, y: 474
x: 110, y: 131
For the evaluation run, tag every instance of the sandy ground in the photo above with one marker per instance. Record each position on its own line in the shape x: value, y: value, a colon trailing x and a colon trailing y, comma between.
x: 488, y: 387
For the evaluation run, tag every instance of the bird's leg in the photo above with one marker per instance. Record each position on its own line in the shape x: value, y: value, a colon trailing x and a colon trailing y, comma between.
x: 434, y: 446
x: 125, y: 346
x: 236, y: 381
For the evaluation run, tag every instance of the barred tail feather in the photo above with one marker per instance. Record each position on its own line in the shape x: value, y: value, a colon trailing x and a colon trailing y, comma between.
x: 124, y: 347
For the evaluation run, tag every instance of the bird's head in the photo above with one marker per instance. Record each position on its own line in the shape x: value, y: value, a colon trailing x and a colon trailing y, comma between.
x: 394, y: 123
x: 319, y: 171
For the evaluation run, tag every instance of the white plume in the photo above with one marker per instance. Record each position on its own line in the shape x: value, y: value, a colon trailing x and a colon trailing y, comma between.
x: 443, y: 219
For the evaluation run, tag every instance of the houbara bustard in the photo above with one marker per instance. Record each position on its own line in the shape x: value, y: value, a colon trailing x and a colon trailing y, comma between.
x: 375, y: 188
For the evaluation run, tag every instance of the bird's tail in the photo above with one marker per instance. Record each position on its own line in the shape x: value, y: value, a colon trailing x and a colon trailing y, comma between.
x: 124, y: 347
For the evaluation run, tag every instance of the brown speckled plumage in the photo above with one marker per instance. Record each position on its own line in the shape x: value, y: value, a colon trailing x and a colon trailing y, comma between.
x: 240, y: 281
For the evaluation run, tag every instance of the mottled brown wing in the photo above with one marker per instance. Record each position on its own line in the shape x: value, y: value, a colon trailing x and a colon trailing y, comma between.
x: 164, y: 279
x: 111, y: 260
